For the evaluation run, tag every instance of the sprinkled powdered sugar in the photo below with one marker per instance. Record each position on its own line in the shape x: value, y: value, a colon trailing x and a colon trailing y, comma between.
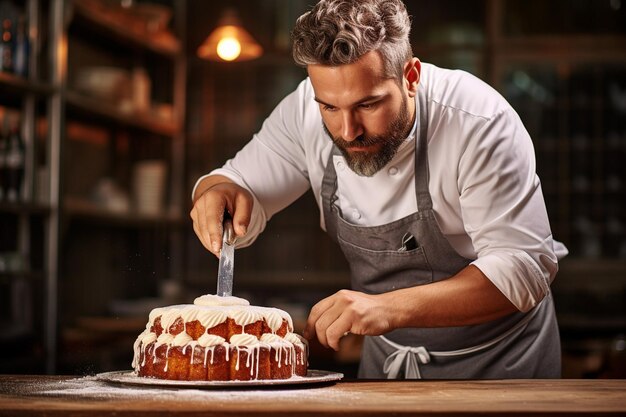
x: 90, y: 388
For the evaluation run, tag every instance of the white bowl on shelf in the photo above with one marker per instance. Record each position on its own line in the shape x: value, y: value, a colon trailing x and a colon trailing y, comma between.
x: 110, y: 83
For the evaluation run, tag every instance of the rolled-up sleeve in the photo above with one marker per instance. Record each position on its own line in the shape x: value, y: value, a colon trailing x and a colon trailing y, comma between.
x: 504, y: 212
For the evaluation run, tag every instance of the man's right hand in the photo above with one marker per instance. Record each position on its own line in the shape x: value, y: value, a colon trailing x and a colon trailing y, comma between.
x: 213, y: 196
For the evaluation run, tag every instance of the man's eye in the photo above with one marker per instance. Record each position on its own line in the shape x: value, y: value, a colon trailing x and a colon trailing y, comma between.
x: 367, y: 106
x: 329, y: 108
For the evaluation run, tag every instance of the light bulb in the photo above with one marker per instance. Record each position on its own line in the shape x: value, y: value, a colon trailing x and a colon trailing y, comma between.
x: 228, y: 49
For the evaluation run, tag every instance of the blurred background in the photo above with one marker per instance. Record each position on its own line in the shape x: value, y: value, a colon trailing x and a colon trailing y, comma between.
x: 111, y: 109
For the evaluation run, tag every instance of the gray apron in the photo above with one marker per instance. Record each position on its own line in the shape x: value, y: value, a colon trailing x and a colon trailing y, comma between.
x: 413, y: 251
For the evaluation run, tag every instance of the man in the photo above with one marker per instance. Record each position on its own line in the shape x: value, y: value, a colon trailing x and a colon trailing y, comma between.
x: 426, y: 179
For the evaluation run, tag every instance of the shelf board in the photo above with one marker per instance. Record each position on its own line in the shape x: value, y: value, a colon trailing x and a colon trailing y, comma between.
x: 108, y: 112
x: 8, y: 276
x: 107, y: 23
x: 27, y: 208
x: 85, y: 210
x: 19, y: 85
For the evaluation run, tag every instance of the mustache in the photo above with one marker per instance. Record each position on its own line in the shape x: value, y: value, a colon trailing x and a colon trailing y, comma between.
x: 361, y: 141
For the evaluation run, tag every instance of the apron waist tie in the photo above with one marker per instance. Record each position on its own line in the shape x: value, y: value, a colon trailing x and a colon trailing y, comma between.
x: 413, y: 356
x: 409, y: 356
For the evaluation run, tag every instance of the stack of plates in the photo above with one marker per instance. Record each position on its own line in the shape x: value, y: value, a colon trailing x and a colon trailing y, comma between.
x: 149, y: 178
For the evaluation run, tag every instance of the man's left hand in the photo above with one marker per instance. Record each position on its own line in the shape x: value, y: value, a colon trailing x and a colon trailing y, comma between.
x: 348, y: 312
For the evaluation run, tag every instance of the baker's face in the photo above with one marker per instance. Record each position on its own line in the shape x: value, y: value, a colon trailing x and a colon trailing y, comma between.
x: 367, y: 115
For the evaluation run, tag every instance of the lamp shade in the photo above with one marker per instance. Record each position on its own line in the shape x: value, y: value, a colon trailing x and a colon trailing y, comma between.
x: 229, y: 41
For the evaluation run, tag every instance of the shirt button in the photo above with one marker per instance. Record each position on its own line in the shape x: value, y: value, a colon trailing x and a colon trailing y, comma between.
x: 393, y: 171
x: 341, y: 166
x: 356, y: 214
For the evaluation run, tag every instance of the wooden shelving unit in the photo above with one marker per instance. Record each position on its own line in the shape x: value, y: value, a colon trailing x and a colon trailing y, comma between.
x: 87, y: 211
x: 10, y: 83
x: 90, y: 107
x: 135, y: 249
x: 47, y: 226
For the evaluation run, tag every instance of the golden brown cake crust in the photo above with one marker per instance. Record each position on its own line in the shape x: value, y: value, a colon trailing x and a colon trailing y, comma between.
x: 207, y: 342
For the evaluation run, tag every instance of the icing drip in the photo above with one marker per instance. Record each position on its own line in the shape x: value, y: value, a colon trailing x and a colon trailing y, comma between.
x: 295, y: 339
x: 279, y: 345
x: 167, y: 355
x: 249, y: 344
x: 300, y: 342
x: 210, y: 342
x: 143, y: 340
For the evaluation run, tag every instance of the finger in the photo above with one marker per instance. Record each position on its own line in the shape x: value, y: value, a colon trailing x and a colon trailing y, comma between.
x: 338, y: 329
x: 197, y: 226
x: 200, y: 237
x: 242, y: 213
x: 203, y: 224
x: 317, y: 310
x: 214, y: 206
x: 325, y: 321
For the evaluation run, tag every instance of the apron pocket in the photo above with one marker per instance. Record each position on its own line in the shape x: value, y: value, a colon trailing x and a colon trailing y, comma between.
x: 386, y: 270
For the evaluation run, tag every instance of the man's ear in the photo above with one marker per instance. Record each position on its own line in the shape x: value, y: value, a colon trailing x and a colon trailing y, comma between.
x: 412, y: 71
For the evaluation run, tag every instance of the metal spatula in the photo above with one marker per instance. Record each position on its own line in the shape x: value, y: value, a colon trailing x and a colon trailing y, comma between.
x: 227, y: 260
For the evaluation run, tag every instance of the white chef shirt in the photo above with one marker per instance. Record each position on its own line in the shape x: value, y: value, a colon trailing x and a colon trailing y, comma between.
x: 485, y: 193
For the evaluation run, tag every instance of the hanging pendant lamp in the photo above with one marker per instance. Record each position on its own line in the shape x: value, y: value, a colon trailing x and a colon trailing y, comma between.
x: 229, y: 41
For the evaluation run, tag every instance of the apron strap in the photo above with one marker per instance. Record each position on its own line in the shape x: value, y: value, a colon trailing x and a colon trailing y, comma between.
x: 329, y: 196
x: 413, y: 356
x: 424, y: 202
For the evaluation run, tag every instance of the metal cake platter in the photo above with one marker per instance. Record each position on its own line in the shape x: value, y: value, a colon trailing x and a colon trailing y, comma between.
x: 131, y: 378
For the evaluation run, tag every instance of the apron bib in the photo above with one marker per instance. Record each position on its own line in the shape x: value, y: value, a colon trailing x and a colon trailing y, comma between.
x: 413, y: 251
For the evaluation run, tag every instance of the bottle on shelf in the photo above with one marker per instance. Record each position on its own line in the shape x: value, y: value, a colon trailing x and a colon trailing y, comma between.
x: 20, y: 60
x: 14, y: 164
x: 4, y: 144
x: 6, y: 45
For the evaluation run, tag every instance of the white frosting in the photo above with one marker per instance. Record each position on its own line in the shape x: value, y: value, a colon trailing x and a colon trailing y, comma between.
x: 211, y: 310
x: 182, y: 339
x: 207, y: 340
x: 169, y: 316
x: 274, y: 339
x: 244, y: 339
x: 244, y: 316
x: 273, y: 319
x: 148, y: 337
x: 213, y: 300
x: 164, y: 339
x: 295, y: 339
x: 210, y: 317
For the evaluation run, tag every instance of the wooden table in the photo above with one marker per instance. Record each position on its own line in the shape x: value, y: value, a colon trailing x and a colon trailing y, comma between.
x: 68, y: 396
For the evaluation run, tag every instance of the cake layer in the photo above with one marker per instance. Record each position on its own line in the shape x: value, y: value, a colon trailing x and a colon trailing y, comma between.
x: 219, y: 338
x: 248, y: 358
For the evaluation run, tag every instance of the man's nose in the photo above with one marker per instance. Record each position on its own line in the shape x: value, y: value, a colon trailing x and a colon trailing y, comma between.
x: 351, y: 127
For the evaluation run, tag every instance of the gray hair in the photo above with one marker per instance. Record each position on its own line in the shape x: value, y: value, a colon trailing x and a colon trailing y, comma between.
x: 339, y: 32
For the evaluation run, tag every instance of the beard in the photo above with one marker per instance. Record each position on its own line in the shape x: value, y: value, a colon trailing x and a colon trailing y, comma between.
x: 365, y: 163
